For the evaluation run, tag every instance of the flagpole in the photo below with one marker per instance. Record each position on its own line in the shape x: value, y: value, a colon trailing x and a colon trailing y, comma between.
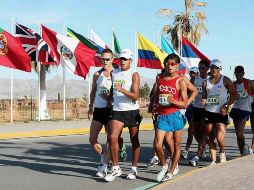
x: 89, y: 77
x: 12, y: 31
x: 112, y: 41
x: 135, y: 50
x: 39, y: 81
x: 159, y: 39
x: 64, y: 87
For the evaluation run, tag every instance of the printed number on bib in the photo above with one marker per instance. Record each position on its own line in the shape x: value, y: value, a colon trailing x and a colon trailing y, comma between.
x: 213, y: 100
x: 121, y: 82
x: 163, y: 99
x: 103, y: 90
x: 199, y: 89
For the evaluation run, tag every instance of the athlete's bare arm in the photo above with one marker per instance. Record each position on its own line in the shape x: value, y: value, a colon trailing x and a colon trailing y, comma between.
x: 134, y: 94
x: 192, y: 88
x: 92, y: 93
x: 182, y: 87
x: 233, y: 95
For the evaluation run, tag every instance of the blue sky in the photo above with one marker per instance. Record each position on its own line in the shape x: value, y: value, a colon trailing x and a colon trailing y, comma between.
x: 229, y: 23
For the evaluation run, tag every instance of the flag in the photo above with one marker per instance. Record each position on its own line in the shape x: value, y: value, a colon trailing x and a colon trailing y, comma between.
x: 33, y: 44
x: 190, y: 54
x: 99, y: 42
x: 149, y: 55
x: 166, y: 47
x: 74, y: 55
x: 89, y: 43
x: 12, y: 54
x: 116, y: 47
x: 27, y: 39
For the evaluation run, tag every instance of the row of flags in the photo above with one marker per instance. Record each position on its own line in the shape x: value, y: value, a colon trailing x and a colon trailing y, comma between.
x: 78, y: 53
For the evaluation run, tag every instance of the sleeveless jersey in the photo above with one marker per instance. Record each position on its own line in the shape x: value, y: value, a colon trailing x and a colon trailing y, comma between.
x: 103, y: 87
x: 244, y: 99
x: 122, y: 102
x: 217, y: 96
x: 167, y: 88
x: 198, y: 84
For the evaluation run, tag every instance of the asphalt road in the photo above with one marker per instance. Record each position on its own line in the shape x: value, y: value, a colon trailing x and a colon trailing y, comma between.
x: 69, y: 163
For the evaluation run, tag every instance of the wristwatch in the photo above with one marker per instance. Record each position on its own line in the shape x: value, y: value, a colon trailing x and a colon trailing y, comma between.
x: 226, y: 106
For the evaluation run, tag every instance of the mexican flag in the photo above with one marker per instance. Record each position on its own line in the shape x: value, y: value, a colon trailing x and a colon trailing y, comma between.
x: 74, y: 55
x: 87, y: 42
x: 116, y: 46
x: 12, y: 54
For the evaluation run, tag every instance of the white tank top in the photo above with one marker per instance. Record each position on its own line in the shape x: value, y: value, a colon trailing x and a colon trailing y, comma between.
x: 217, y: 96
x: 103, y: 87
x: 198, y: 84
x: 122, y: 102
x: 243, y: 101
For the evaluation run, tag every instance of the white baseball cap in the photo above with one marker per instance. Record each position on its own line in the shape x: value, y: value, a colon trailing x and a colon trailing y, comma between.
x: 193, y: 69
x: 127, y: 54
x: 216, y: 62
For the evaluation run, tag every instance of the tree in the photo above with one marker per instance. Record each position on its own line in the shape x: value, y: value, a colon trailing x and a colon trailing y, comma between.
x: 189, y: 23
x: 144, y: 91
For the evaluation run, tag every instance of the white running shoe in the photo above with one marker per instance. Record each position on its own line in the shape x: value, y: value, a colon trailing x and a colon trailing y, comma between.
x: 251, y: 151
x: 184, y: 154
x: 176, y: 170
x: 115, y: 173
x: 213, y: 163
x: 167, y: 177
x: 153, y: 161
x: 132, y: 174
x: 162, y: 173
x: 222, y: 157
x: 194, y: 161
x: 102, y: 171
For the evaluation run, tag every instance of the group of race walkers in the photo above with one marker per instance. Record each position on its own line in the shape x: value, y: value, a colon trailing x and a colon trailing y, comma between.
x: 206, y: 101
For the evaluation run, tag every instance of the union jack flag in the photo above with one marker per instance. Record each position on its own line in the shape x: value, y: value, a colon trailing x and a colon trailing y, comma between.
x: 34, y: 45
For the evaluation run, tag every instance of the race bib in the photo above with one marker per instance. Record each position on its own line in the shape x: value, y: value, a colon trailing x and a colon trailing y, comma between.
x: 199, y: 89
x: 163, y: 99
x: 242, y: 94
x: 213, y: 100
x: 103, y: 90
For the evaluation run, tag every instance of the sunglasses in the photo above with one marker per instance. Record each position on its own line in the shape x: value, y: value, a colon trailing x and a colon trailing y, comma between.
x: 106, y: 59
x: 201, y: 68
x: 171, y: 63
x: 123, y: 59
x: 214, y: 67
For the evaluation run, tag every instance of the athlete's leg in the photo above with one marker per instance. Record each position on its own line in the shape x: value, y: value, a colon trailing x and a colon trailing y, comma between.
x: 239, y: 128
x: 95, y: 129
x: 134, y: 132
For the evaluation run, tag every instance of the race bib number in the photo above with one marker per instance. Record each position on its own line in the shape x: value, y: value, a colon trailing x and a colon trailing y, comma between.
x: 163, y: 99
x: 199, y: 89
x: 242, y: 94
x: 103, y: 90
x: 213, y: 100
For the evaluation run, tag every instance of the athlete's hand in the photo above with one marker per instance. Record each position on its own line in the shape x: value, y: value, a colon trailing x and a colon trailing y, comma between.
x: 104, y: 96
x: 203, y: 102
x: 223, y: 110
x: 90, y: 112
x: 171, y: 99
x: 118, y: 87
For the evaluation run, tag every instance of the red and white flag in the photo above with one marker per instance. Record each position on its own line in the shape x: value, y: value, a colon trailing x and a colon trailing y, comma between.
x: 74, y: 55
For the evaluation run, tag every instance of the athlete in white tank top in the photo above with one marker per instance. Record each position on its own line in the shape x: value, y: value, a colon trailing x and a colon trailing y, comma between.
x: 198, y: 84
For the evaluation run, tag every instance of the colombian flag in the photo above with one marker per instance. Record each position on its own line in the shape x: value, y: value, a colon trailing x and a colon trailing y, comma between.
x: 149, y: 55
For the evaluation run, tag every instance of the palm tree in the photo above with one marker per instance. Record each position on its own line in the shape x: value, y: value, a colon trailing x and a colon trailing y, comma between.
x: 189, y: 23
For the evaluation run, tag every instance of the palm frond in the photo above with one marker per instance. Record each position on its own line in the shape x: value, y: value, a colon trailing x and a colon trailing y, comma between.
x: 166, y: 29
x: 200, y: 4
x: 164, y: 12
x: 200, y: 15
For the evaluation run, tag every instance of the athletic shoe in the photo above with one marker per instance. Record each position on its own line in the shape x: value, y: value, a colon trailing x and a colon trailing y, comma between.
x: 168, y: 161
x: 246, y: 150
x: 153, y: 161
x: 222, y: 157
x: 123, y: 153
x: 132, y: 174
x: 194, y: 161
x: 176, y: 170
x: 167, y: 177
x: 102, y: 171
x: 213, y: 163
x: 204, y: 151
x: 184, y: 154
x: 251, y: 151
x: 115, y: 173
x: 162, y: 173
